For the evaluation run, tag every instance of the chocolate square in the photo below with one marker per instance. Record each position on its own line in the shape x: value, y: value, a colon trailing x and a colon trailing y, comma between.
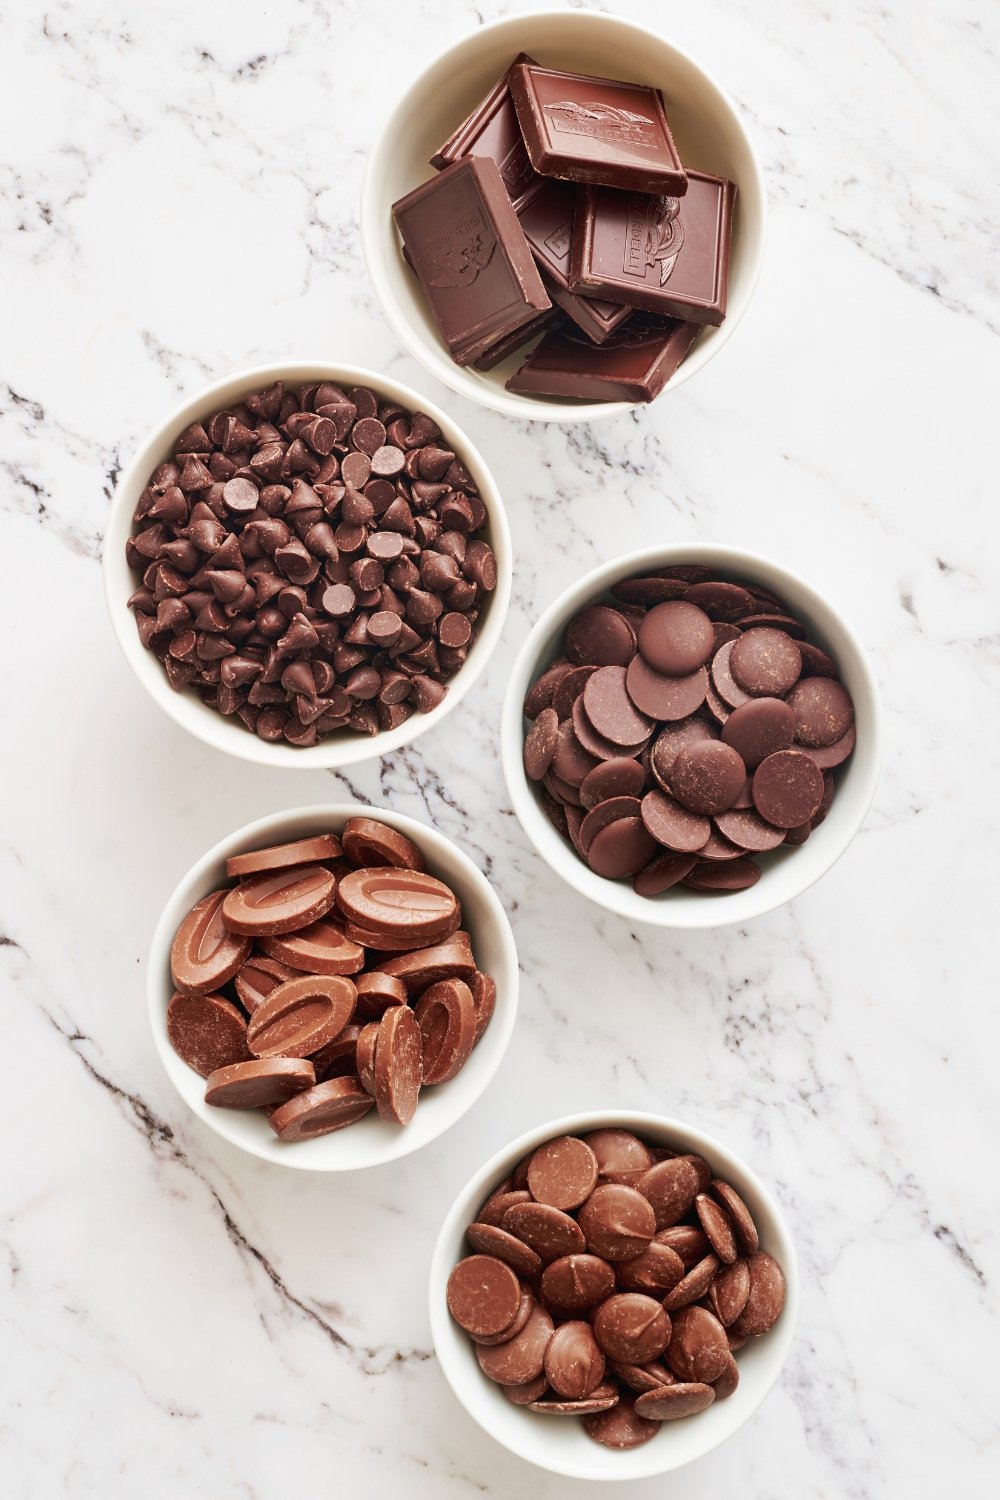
x: 668, y: 255
x: 633, y: 365
x: 492, y: 130
x: 466, y: 246
x: 547, y: 221
x: 597, y: 130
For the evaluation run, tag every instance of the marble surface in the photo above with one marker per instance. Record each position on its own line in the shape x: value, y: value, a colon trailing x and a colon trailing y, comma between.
x: 179, y: 191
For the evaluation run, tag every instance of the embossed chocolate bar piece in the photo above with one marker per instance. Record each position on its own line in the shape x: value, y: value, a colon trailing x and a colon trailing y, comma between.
x: 634, y: 364
x: 547, y: 221
x: 492, y: 130
x: 466, y: 246
x: 511, y: 342
x: 666, y: 254
x: 596, y: 130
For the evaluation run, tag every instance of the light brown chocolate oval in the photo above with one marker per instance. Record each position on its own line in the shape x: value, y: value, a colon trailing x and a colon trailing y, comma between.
x: 376, y: 992
x: 258, y: 977
x: 255, y: 1084
x: 207, y: 1032
x: 387, y: 900
x: 446, y: 1016
x: 739, y: 1213
x: 204, y: 954
x: 397, y: 1065
x: 301, y: 1016
x: 321, y: 847
x: 450, y: 960
x: 322, y: 947
x: 369, y: 843
x: 319, y: 1111
x: 279, y: 901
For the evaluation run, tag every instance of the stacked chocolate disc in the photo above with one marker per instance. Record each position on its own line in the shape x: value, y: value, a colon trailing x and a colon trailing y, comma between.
x: 689, y: 725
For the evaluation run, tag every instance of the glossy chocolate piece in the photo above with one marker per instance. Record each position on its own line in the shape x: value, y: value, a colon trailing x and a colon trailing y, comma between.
x: 634, y: 364
x: 492, y: 130
x: 599, y: 130
x: 517, y: 339
x: 469, y: 251
x: 619, y: 1318
x: 547, y: 221
x: 667, y: 254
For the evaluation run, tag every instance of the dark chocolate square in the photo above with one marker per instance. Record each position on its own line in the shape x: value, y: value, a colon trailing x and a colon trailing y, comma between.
x: 597, y: 130
x: 668, y: 255
x: 492, y: 130
x: 633, y: 365
x: 469, y: 251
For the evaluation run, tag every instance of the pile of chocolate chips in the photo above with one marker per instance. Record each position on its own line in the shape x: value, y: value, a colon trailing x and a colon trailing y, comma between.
x: 311, y: 562
x: 332, y: 976
x: 613, y: 1280
x: 689, y: 725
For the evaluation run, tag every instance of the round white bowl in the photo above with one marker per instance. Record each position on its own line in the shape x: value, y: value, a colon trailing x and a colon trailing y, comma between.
x: 372, y: 1140
x: 708, y: 129
x: 785, y: 873
x: 561, y: 1445
x: 229, y: 734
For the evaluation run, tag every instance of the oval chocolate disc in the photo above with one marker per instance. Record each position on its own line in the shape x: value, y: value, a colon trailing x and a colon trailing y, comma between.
x: 279, y: 901
x: 204, y: 954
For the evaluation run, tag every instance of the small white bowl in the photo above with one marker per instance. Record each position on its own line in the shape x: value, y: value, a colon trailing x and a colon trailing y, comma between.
x: 371, y: 1141
x: 560, y: 1444
x: 785, y: 873
x: 186, y: 708
x: 709, y: 131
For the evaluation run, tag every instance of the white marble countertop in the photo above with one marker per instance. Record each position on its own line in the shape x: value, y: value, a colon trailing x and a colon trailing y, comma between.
x: 180, y: 183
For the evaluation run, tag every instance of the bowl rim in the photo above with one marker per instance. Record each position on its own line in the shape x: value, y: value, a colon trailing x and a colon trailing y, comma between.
x: 563, y: 860
x: 271, y: 826
x: 437, y: 361
x: 447, y: 1338
x: 210, y: 727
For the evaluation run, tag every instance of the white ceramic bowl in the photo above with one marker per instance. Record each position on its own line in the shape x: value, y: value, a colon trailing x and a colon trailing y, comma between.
x: 371, y: 1141
x: 785, y: 873
x: 707, y: 127
x: 557, y: 1443
x: 186, y: 708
